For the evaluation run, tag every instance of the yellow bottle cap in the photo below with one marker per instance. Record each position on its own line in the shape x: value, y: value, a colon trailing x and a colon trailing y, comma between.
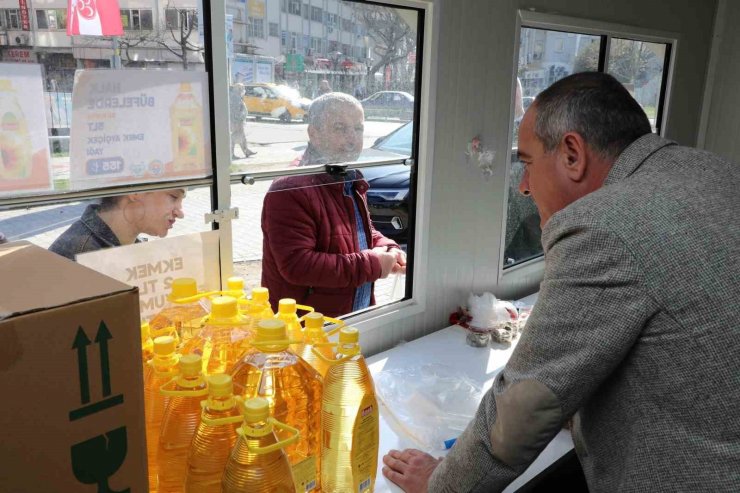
x: 146, y: 331
x: 185, y: 87
x: 164, y: 345
x: 224, y: 307
x: 183, y: 287
x: 255, y: 409
x: 287, y: 306
x: 270, y: 331
x: 349, y: 335
x: 220, y: 385
x: 5, y: 85
x: 260, y: 295
x: 235, y: 283
x: 190, y: 365
x: 314, y: 320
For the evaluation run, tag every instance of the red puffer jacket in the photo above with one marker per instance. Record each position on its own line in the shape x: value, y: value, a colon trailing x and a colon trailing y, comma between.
x: 310, y: 248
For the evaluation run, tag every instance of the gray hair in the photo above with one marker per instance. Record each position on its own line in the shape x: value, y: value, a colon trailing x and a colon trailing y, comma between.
x: 322, y: 105
x: 596, y: 106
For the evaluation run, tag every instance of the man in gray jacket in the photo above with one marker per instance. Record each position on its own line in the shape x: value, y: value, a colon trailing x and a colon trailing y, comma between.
x: 636, y: 332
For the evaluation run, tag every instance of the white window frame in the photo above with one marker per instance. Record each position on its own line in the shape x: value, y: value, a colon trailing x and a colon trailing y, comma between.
x: 530, y: 273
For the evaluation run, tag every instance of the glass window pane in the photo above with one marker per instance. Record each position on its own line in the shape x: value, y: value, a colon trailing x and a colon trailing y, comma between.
x: 545, y: 56
x: 41, y: 19
x: 146, y: 20
x: 639, y: 66
x: 262, y: 251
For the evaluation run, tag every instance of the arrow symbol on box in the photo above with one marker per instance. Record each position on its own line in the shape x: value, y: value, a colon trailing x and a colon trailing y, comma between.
x: 102, y: 338
x: 80, y: 344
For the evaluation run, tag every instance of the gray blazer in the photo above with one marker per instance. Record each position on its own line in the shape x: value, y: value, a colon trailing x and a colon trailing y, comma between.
x: 636, y: 335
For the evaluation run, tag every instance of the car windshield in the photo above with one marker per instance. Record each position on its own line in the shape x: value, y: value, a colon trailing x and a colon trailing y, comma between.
x: 287, y: 92
x: 398, y: 141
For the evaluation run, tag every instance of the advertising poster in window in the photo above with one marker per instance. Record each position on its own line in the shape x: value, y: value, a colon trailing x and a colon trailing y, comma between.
x: 134, y: 126
x: 24, y: 145
x: 152, y: 265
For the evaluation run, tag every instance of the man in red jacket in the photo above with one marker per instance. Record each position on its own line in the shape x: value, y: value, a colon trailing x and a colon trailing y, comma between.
x: 319, y: 246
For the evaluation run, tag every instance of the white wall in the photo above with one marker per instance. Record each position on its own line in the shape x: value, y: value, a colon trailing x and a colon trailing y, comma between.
x: 473, y: 69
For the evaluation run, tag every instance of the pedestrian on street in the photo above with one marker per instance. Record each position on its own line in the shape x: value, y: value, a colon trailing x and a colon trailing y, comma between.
x: 324, y: 87
x: 237, y: 118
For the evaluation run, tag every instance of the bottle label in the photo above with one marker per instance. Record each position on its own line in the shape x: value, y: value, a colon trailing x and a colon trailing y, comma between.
x: 365, y: 447
x: 304, y: 475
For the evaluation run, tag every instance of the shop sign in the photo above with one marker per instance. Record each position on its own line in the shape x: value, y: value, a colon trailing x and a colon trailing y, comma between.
x: 152, y: 265
x: 293, y: 62
x: 25, y: 21
x: 18, y: 55
x: 94, y: 18
x: 137, y: 126
x: 24, y: 145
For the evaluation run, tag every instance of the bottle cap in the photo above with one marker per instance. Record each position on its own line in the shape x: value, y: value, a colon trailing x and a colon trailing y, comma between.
x: 235, y: 283
x: 287, y: 306
x: 190, y: 365
x: 349, y: 335
x: 164, y: 345
x: 185, y: 87
x: 269, y: 331
x: 220, y: 385
x: 224, y: 307
x: 183, y: 287
x: 260, y: 295
x: 255, y: 409
x: 313, y: 320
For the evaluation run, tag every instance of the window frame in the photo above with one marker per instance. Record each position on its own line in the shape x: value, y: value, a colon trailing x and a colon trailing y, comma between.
x: 525, y: 273
x: 221, y: 180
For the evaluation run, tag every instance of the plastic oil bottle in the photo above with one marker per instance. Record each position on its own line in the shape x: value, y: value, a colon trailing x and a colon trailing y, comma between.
x: 214, y: 437
x: 181, y: 417
x: 163, y: 368
x: 223, y: 340
x: 315, y: 337
x: 258, y: 308
x: 235, y: 287
x: 258, y: 463
x: 287, y: 312
x: 184, y: 310
x: 293, y: 389
x: 186, y: 117
x: 349, y: 414
x: 147, y: 348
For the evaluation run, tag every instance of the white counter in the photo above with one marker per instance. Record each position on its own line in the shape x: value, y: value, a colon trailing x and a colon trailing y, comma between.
x: 480, y: 365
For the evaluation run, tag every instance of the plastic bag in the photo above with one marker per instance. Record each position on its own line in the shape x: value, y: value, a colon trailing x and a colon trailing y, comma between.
x: 430, y: 404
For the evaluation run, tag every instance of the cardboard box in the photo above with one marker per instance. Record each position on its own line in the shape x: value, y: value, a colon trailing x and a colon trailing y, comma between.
x: 72, y: 417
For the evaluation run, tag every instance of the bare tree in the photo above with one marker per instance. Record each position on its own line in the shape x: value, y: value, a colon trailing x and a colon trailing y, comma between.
x: 393, y: 38
x: 176, y: 34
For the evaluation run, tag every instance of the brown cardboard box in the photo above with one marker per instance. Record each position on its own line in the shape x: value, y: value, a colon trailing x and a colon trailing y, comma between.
x: 72, y: 408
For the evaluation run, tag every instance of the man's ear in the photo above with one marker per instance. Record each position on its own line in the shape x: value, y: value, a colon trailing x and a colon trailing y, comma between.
x: 574, y: 152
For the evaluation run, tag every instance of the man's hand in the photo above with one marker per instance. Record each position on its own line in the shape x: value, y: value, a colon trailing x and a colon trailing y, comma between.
x: 387, y: 263
x: 410, y: 469
x: 400, y: 267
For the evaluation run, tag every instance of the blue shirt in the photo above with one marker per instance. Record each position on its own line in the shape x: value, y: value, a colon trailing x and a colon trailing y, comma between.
x: 362, y: 293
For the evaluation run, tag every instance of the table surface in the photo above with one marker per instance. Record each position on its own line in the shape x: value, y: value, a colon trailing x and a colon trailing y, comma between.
x: 480, y: 365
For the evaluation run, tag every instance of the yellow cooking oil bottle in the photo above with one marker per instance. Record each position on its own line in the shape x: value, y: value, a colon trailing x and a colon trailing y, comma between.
x: 186, y: 126
x: 349, y: 416
x: 147, y: 347
x: 16, y: 147
x: 293, y: 389
x: 288, y: 313
x: 180, y: 419
x: 214, y: 437
x: 224, y: 338
x: 258, y: 463
x: 235, y: 287
x: 314, y: 336
x: 258, y: 307
x: 184, y: 309
x: 163, y: 368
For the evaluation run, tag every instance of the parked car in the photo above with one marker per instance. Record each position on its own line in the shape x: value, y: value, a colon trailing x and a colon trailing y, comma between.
x: 387, y: 197
x: 389, y: 104
x: 275, y: 101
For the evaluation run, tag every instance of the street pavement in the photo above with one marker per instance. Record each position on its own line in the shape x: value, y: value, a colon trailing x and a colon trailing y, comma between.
x: 276, y: 145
